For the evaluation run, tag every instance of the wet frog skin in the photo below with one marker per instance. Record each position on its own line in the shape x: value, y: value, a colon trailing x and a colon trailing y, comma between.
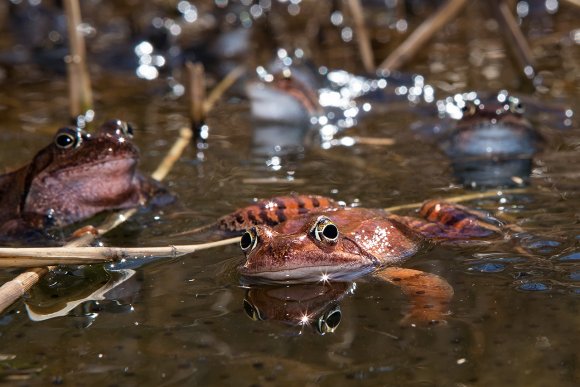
x: 273, y: 211
x: 341, y: 241
x: 493, y: 128
x: 336, y: 243
x: 75, y: 177
x: 344, y: 243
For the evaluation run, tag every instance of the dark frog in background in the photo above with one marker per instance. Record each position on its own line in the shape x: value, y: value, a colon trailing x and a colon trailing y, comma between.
x: 493, y: 143
x: 75, y: 177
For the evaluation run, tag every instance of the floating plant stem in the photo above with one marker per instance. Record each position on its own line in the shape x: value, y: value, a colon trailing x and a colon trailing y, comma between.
x: 17, y: 287
x: 374, y: 141
x: 70, y: 255
x: 196, y: 92
x: 222, y: 87
x: 422, y: 35
x: 80, y: 93
x: 362, y: 36
x: 516, y: 39
x: 463, y: 198
x: 173, y: 155
x: 573, y: 2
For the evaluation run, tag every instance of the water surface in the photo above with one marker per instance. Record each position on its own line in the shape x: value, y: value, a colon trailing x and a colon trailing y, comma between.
x: 515, y: 317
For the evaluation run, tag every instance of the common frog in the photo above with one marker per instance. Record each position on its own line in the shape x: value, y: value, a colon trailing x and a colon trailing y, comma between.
x: 344, y: 243
x: 75, y: 177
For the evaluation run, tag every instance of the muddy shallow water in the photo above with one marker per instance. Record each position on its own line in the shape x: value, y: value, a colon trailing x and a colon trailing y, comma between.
x: 515, y: 317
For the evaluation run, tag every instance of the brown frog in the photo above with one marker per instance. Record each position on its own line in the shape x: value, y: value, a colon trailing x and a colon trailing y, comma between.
x: 493, y: 143
x: 493, y: 128
x: 344, y: 243
x: 75, y: 177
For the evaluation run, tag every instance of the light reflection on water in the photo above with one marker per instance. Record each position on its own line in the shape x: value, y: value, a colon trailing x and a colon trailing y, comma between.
x: 515, y: 316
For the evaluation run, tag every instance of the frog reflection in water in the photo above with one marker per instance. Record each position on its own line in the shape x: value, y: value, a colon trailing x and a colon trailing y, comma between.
x: 315, y: 304
x: 341, y: 244
x: 75, y: 177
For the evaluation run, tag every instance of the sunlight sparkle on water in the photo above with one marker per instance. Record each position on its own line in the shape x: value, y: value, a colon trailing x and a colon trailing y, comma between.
x: 304, y: 319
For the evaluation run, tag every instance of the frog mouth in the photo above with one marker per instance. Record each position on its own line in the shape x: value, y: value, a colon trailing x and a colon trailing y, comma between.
x: 310, y: 274
x: 114, y: 166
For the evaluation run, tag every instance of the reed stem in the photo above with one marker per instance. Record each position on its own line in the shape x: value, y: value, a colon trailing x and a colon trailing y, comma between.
x: 516, y: 39
x: 196, y: 92
x: 362, y: 36
x: 80, y: 93
x: 70, y: 255
x: 407, y: 50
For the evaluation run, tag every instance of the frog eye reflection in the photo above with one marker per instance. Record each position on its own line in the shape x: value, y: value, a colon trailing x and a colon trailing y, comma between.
x: 329, y: 321
x: 249, y: 240
x: 469, y: 109
x: 325, y: 230
x: 67, y: 138
x: 252, y: 311
x: 516, y: 106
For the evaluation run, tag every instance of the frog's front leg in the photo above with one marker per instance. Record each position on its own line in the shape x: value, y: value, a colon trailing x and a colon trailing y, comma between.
x: 449, y: 221
x: 429, y: 295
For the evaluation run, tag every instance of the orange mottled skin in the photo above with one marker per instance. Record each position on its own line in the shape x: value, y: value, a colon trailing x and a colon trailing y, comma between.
x: 366, y: 238
x: 343, y: 243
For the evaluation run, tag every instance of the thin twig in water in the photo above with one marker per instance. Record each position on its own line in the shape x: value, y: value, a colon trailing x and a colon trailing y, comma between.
x: 272, y: 180
x: 516, y: 38
x: 196, y: 91
x: 222, y: 87
x: 374, y: 141
x: 17, y: 287
x: 80, y: 93
x: 362, y: 35
x: 422, y: 35
x: 68, y: 255
x: 462, y: 198
x: 173, y: 155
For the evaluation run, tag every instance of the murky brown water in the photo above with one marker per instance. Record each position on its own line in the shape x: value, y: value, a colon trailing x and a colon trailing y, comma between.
x: 515, y: 318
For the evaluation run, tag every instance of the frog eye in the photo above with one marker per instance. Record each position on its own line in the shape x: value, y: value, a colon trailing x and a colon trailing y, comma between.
x: 469, y: 109
x: 67, y: 138
x: 329, y: 321
x: 325, y: 230
x: 516, y: 106
x: 249, y: 240
x: 117, y: 128
x: 126, y: 129
x: 252, y: 311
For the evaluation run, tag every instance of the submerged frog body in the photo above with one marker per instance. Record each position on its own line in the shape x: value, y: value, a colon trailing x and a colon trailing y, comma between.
x: 345, y: 243
x: 75, y: 177
x: 337, y: 243
x: 342, y: 243
x: 493, y: 128
x: 493, y: 143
